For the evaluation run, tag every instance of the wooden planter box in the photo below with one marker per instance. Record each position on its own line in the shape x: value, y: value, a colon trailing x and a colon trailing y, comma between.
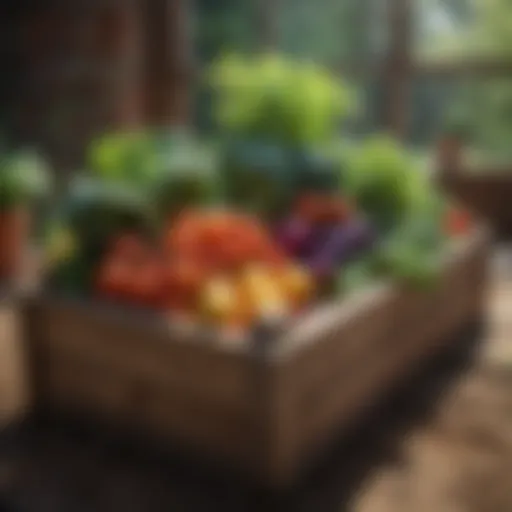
x: 488, y: 194
x: 265, y: 406
x: 14, y: 370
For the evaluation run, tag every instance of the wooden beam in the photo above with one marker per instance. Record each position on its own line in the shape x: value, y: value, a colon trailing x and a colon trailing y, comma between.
x: 124, y: 41
x: 169, y: 68
x: 397, y: 71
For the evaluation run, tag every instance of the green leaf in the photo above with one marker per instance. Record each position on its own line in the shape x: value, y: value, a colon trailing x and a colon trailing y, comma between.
x: 24, y: 177
x: 273, y: 98
x: 128, y: 158
x: 357, y: 275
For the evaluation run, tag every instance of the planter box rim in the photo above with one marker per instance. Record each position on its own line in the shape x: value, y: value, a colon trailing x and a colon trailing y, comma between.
x: 281, y: 343
x: 343, y: 311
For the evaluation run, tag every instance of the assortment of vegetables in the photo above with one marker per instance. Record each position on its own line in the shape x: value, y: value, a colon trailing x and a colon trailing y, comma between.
x: 215, y: 265
x: 265, y: 223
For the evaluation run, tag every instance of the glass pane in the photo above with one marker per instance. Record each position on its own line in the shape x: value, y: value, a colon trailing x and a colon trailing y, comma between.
x: 220, y: 26
x: 483, y: 105
x: 224, y: 25
x: 332, y: 31
x: 448, y: 29
x: 344, y: 35
x: 370, y: 98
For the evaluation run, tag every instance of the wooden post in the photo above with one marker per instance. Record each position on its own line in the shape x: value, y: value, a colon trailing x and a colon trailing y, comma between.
x: 397, y: 74
x: 169, y: 62
x: 14, y: 385
x: 123, y: 43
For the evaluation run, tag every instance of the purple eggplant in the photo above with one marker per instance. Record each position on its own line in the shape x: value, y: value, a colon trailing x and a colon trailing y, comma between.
x: 344, y: 243
x: 294, y: 236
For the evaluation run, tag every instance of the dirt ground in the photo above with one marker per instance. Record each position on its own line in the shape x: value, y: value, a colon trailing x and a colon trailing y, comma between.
x: 443, y: 444
x: 461, y: 459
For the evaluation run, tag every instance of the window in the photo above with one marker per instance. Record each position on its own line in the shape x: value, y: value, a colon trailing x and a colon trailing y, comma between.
x: 463, y: 65
x: 462, y: 29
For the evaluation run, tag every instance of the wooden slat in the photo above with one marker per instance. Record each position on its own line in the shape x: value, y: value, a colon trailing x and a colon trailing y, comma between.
x: 142, y: 352
x: 14, y: 378
x: 329, y: 380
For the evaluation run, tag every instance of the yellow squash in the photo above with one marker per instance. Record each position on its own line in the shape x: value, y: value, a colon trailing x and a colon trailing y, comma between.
x: 263, y: 292
x: 297, y: 284
x: 221, y: 303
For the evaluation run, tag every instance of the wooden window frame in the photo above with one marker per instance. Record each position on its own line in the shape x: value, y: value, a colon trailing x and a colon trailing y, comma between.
x: 401, y: 68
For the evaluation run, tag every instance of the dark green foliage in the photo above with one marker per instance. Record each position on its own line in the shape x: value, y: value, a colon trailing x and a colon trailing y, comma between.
x: 266, y: 178
x: 316, y: 171
x: 95, y: 212
x: 257, y: 176
x: 74, y: 276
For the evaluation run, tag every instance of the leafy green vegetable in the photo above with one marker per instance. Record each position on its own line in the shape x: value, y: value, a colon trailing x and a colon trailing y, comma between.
x: 188, y: 173
x: 24, y: 177
x: 357, y: 275
x: 257, y: 177
x: 265, y: 178
x: 315, y: 170
x: 60, y: 244
x: 269, y: 97
x: 412, y: 265
x: 412, y: 252
x: 72, y: 276
x: 402, y: 201
x: 124, y: 157
x: 95, y: 211
x: 378, y: 175
x: 172, y: 168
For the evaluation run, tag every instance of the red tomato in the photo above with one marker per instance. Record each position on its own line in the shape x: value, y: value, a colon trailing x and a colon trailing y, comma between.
x: 131, y: 248
x: 183, y: 282
x: 458, y: 222
x: 339, y: 209
x: 148, y: 284
x: 114, y: 279
x: 307, y: 207
x: 321, y: 208
x: 182, y: 233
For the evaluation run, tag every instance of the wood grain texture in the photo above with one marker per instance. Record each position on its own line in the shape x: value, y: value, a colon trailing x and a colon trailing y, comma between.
x: 14, y: 385
x: 367, y: 345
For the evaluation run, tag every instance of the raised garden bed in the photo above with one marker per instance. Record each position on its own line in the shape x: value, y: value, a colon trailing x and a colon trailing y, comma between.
x: 264, y: 405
